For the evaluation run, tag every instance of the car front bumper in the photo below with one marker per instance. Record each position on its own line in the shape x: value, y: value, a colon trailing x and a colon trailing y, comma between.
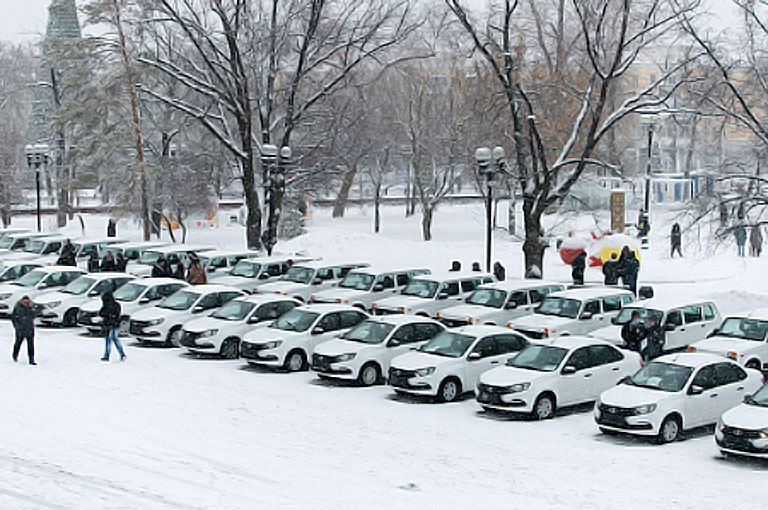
x: 407, y: 381
x: 741, y: 442
x: 260, y: 355
x: 621, y: 420
x: 195, y: 343
x: 328, y: 367
x: 145, y: 332
x: 491, y: 397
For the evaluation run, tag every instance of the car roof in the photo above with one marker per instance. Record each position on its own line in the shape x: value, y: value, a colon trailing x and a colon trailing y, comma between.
x: 33, y: 235
x: 57, y: 269
x: 178, y: 248
x: 388, y: 269
x: 279, y: 258
x: 213, y: 287
x: 453, y: 275
x: 508, y: 285
x: 54, y: 238
x: 322, y: 264
x: 13, y: 230
x: 572, y: 342
x: 669, y: 302
x: 109, y: 274
x: 15, y: 262
x: 159, y: 281
x: 139, y: 244
x: 590, y: 293
x: 399, y: 319
x: 691, y: 359
x: 265, y: 298
x: 227, y: 253
x: 483, y: 330
x: 102, y: 240
x: 329, y: 307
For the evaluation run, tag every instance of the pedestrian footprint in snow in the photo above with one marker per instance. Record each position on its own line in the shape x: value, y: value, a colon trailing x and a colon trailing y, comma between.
x: 110, y: 314
x: 23, y: 319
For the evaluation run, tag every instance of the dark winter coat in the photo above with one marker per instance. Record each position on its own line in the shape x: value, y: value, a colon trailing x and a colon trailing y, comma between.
x: 110, y: 311
x: 111, y: 228
x: 108, y: 264
x: 676, y: 237
x: 633, y: 333
x: 655, y: 345
x: 23, y: 319
x: 178, y: 271
x: 120, y: 263
x: 67, y: 257
x: 499, y: 272
x: 93, y: 263
x: 741, y: 236
x: 161, y: 271
x: 577, y: 268
x: 196, y: 274
x: 611, y: 272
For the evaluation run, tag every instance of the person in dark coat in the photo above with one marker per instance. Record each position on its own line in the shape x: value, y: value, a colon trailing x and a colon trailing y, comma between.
x: 655, y: 337
x: 111, y: 228
x: 93, y: 263
x: 499, y: 272
x: 741, y: 239
x: 476, y: 267
x: 161, y: 269
x: 23, y: 320
x: 631, y: 269
x: 108, y: 262
x: 178, y: 271
x: 67, y: 257
x: 578, y: 266
x: 110, y: 315
x: 611, y: 270
x: 120, y: 262
x: 633, y: 332
x: 675, y: 241
x: 455, y: 266
x: 755, y: 241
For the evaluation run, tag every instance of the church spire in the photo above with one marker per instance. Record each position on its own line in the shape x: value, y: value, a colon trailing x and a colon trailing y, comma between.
x: 62, y: 20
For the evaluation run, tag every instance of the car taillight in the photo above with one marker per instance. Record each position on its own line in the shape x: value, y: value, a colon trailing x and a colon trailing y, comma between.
x: 731, y: 355
x: 338, y: 300
x: 691, y: 348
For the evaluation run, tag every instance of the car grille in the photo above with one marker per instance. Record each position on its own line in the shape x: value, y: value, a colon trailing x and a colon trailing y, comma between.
x: 454, y: 323
x: 493, y: 390
x: 385, y: 311
x: 137, y: 327
x: 737, y: 433
x: 188, y: 338
x: 249, y: 350
x: 615, y: 411
x: 87, y: 317
x: 400, y: 378
x: 322, y: 362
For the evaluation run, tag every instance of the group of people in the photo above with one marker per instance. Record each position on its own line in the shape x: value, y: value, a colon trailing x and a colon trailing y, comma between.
x: 625, y: 268
x: 499, y: 272
x: 636, y: 331
x: 195, y: 275
x: 23, y: 320
x: 755, y: 240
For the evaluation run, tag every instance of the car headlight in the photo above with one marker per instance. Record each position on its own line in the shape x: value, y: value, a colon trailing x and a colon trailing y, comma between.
x: 346, y: 357
x: 644, y: 409
x: 720, y: 427
x: 209, y: 333
x: 52, y: 304
x: 156, y: 321
x: 517, y: 388
x: 272, y: 345
x: 5, y: 296
x: 422, y: 372
x: 763, y: 434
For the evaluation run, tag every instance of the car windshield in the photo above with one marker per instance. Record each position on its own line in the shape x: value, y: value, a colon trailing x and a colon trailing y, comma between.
x: 149, y: 257
x: 34, y: 246
x: 295, y: 320
x: 543, y: 358
x: 561, y: 307
x: 748, y: 329
x: 6, y: 243
x: 30, y: 279
x: 246, y: 269
x: 369, y: 332
x: 449, y: 344
x: 421, y: 288
x: 662, y: 376
x: 491, y: 298
x: 357, y: 281
x: 760, y: 398
x: 234, y: 311
x: 180, y: 300
x: 299, y: 274
x: 625, y: 315
x: 79, y: 286
x: 129, y: 292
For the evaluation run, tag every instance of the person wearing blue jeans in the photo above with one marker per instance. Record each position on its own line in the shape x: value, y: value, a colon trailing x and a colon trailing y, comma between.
x: 110, y: 313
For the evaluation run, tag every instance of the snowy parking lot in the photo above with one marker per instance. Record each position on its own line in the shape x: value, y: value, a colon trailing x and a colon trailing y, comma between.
x: 168, y: 430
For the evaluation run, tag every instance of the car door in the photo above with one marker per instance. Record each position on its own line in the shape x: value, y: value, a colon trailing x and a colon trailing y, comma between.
x: 329, y: 326
x: 730, y: 379
x: 700, y: 408
x: 401, y: 341
x: 481, y: 358
x: 576, y: 380
x: 674, y: 330
x: 710, y: 322
x: 518, y: 304
x: 607, y: 363
x: 589, y: 319
x: 452, y: 292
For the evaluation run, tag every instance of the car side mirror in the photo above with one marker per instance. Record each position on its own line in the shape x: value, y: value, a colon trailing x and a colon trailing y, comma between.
x: 263, y: 276
x: 586, y: 316
x: 43, y: 286
x: 670, y: 326
x: 318, y: 330
x: 512, y: 305
x: 393, y: 343
x: 442, y: 296
x: 93, y: 293
x: 143, y: 301
x: 197, y: 309
x: 624, y: 379
x: 378, y: 287
x: 747, y: 399
x: 473, y: 356
x: 696, y: 390
x: 211, y: 269
x: 714, y: 332
x: 568, y: 370
x: 253, y: 320
x: 613, y: 320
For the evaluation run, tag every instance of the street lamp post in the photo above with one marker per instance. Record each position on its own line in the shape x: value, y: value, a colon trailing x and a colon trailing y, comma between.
x: 37, y: 156
x: 645, y: 214
x: 489, y: 163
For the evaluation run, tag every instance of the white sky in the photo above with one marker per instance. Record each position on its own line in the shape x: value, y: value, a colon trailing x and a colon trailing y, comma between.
x: 24, y: 20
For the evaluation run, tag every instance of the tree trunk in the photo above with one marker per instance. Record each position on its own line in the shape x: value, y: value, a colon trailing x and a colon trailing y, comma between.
x: 253, y: 218
x: 534, y: 245
x: 376, y: 212
x: 170, y: 229
x: 426, y: 222
x: 340, y: 204
x: 183, y: 228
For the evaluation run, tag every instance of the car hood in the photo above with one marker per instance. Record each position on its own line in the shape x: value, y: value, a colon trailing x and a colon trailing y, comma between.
x: 92, y: 305
x: 54, y: 295
x: 747, y: 417
x: 538, y: 321
x: 507, y: 376
x: 417, y: 360
x: 154, y: 312
x: 234, y: 280
x: 268, y: 334
x: 11, y: 289
x: 609, y: 333
x: 204, y: 324
x: 625, y: 395
x: 398, y: 301
x: 723, y: 345
x: 340, y: 346
x: 281, y: 286
x: 339, y: 293
x: 464, y: 311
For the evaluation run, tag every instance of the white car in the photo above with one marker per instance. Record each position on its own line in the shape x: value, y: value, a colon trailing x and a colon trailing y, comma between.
x: 573, y: 312
x: 250, y: 274
x: 221, y: 332
x: 427, y: 295
x: 162, y: 323
x: 132, y: 297
x: 85, y: 249
x: 451, y: 363
x: 219, y: 262
x: 743, y: 430
x: 290, y: 341
x: 673, y: 393
x: 566, y: 371
x: 744, y: 339
x: 302, y: 280
x: 362, y: 287
x: 11, y: 270
x: 173, y: 254
x: 364, y: 353
x: 684, y: 321
x: 36, y: 248
x: 16, y: 242
x: 63, y: 306
x: 34, y: 283
x: 498, y: 303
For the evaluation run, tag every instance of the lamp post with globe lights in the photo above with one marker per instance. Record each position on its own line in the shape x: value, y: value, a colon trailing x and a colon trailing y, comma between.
x: 490, y: 163
x: 37, y: 156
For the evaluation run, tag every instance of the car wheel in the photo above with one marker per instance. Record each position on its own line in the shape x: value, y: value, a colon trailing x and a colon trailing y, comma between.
x: 70, y: 318
x: 124, y: 328
x: 295, y: 361
x: 544, y: 408
x: 230, y: 349
x: 669, y: 430
x: 449, y: 390
x: 369, y: 375
x: 174, y: 337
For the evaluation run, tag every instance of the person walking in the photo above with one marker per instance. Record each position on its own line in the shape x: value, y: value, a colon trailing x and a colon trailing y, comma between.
x: 499, y: 272
x: 196, y: 273
x: 655, y: 338
x: 111, y: 228
x: 578, y: 266
x: 108, y: 263
x: 110, y: 314
x: 611, y: 270
x: 23, y: 320
x: 741, y: 239
x: 675, y: 241
x: 633, y: 332
x: 755, y: 241
x: 67, y: 257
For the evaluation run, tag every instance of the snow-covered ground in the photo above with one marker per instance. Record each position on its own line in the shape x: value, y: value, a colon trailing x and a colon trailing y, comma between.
x: 165, y: 430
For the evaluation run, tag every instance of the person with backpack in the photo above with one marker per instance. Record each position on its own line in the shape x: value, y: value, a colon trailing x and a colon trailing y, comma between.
x: 611, y: 270
x: 633, y: 332
x: 655, y: 338
x: 578, y: 266
x: 110, y: 314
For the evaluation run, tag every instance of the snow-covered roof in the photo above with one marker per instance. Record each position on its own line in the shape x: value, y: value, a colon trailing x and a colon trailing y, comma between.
x: 212, y: 287
x: 149, y: 282
x: 329, y: 307
x: 572, y: 342
x: 182, y: 248
x: 229, y: 253
x: 58, y: 269
x: 691, y: 359
x: 482, y: 330
x: 591, y: 293
x: 264, y: 298
x: 669, y: 302
x: 398, y: 319
x: 509, y: 285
